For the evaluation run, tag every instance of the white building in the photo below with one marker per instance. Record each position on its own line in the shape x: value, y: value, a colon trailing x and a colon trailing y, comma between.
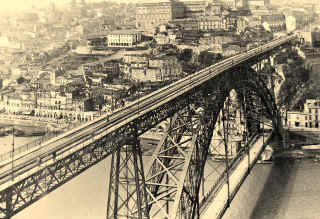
x: 296, y: 119
x: 124, y: 38
x: 291, y: 23
x: 312, y: 108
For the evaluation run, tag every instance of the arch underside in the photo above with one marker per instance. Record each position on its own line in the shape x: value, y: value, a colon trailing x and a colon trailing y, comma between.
x: 172, y: 183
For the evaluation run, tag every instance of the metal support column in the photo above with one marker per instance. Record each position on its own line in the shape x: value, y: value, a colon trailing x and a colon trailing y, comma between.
x: 225, y: 119
x: 9, y: 206
x: 127, y: 190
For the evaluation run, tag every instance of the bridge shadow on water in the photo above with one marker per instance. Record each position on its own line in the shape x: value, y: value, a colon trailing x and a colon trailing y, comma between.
x: 274, y: 197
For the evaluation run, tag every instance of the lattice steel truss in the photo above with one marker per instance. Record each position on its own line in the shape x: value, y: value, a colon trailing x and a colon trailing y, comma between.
x: 173, y: 180
x: 176, y: 172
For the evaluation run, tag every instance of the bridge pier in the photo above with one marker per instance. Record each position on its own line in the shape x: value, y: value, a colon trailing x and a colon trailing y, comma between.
x: 127, y: 189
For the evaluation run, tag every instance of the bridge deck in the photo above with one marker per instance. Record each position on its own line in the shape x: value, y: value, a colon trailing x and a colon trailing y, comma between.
x: 219, y: 203
x: 24, y: 165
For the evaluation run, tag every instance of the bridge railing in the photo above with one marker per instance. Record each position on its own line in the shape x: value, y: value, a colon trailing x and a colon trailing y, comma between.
x: 38, y: 142
x: 27, y: 147
x: 222, y: 178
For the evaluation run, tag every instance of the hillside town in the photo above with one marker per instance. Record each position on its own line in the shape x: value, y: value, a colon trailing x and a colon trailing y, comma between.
x: 72, y: 65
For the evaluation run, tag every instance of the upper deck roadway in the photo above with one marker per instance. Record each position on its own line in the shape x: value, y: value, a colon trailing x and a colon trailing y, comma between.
x: 24, y: 165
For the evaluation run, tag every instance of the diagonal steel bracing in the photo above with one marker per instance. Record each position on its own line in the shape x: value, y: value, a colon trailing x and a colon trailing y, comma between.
x: 127, y: 182
x: 177, y: 167
x: 237, y: 128
x: 173, y: 181
x: 174, y: 193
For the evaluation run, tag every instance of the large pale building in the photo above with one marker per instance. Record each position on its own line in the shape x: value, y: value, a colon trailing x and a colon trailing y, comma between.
x: 124, y: 38
x: 151, y: 14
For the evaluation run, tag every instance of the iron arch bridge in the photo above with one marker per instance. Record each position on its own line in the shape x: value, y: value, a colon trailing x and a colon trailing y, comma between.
x: 222, y: 105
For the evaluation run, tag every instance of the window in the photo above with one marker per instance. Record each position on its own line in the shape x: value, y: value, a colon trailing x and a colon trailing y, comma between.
x: 310, y: 111
x: 297, y: 124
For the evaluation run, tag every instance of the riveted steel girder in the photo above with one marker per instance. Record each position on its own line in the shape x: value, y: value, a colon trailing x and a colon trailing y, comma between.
x: 54, y: 168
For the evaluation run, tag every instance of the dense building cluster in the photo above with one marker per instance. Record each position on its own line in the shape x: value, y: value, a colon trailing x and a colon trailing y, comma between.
x: 150, y: 68
x: 48, y: 104
x: 206, y: 15
x: 88, y: 57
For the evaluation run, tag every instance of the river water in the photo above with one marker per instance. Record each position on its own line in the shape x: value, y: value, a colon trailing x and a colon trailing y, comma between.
x: 286, y: 189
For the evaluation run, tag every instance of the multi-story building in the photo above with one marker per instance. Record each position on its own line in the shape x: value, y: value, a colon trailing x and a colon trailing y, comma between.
x: 108, y: 67
x: 309, y: 118
x: 207, y: 23
x: 187, y: 14
x: 112, y: 68
x: 52, y: 105
x: 270, y: 22
x: 213, y: 9
x: 124, y: 38
x: 296, y: 20
x: 195, y: 9
x: 14, y: 103
x: 129, y: 58
x: 232, y: 4
x: 212, y: 23
x: 152, y: 14
x: 57, y: 105
x: 296, y: 119
x: 133, y: 60
x: 274, y: 22
x: 312, y: 108
x: 156, y: 69
x: 187, y: 24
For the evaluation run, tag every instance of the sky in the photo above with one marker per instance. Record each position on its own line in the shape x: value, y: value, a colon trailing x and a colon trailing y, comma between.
x: 18, y: 5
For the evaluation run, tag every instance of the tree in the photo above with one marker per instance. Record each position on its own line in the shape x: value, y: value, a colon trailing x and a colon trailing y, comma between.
x: 20, y: 80
x: 207, y: 58
x: 186, y: 55
x: 99, y: 101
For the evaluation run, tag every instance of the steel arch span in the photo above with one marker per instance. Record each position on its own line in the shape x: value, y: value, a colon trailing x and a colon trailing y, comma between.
x: 194, y: 105
x: 170, y: 188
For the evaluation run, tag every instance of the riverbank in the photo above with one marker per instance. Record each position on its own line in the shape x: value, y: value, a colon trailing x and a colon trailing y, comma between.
x: 35, y: 125
x: 28, y: 120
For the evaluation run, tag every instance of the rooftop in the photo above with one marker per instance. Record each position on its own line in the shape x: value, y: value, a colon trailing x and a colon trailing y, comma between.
x: 120, y: 32
x: 98, y: 34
